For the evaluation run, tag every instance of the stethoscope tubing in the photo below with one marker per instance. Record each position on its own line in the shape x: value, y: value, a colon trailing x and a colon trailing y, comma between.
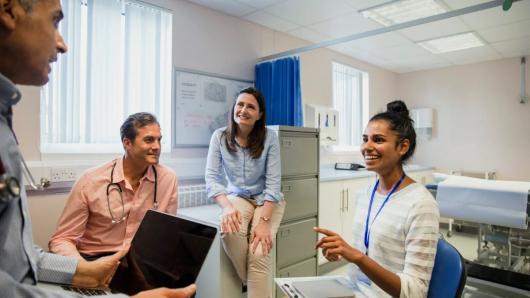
x: 113, y: 185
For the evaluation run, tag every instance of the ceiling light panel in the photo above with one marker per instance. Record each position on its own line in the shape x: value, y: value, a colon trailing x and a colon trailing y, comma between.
x: 397, y: 12
x: 452, y: 43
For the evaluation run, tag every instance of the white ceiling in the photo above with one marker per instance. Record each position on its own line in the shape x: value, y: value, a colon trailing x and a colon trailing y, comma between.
x: 506, y: 33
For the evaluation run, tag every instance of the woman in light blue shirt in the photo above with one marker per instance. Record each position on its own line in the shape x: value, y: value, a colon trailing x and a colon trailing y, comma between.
x: 246, y: 155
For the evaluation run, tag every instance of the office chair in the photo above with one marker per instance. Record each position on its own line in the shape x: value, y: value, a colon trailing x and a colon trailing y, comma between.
x: 449, y: 273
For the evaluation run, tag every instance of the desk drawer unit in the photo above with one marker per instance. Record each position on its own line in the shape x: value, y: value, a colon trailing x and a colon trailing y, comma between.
x: 295, y: 242
x: 301, y: 196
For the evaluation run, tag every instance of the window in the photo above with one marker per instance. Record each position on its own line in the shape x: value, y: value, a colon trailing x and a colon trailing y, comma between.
x: 350, y: 98
x: 118, y: 63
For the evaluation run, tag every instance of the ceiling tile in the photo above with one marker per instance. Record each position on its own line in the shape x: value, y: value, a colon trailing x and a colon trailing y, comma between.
x: 230, y: 7
x: 362, y: 4
x: 384, y: 40
x: 306, y: 12
x: 309, y: 35
x: 457, y: 4
x: 343, y: 48
x: 472, y: 55
x: 407, y: 51
x: 260, y: 4
x: 419, y: 61
x: 506, y: 32
x: 426, y: 67
x: 496, y: 16
x: 435, y: 29
x: 513, y: 48
x: 270, y: 21
x: 345, y: 25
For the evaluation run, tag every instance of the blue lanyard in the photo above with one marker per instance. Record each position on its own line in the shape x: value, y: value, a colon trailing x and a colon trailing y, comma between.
x: 368, y: 226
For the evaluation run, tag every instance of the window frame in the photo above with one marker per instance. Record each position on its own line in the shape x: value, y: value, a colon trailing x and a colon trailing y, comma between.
x: 364, y: 107
x: 52, y: 151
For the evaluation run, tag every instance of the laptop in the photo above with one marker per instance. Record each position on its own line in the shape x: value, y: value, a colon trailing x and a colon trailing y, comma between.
x: 166, y: 251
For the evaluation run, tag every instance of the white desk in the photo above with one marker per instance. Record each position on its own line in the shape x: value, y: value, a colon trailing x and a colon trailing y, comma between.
x: 217, y: 277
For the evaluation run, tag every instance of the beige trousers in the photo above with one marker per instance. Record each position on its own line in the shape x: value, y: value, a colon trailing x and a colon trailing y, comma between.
x: 254, y: 268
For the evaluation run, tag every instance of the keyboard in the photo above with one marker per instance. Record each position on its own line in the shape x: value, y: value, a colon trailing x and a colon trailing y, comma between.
x: 85, y: 291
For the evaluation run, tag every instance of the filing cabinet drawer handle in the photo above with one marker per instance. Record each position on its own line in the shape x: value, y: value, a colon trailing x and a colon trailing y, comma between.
x: 286, y: 188
x: 285, y: 233
x: 287, y: 143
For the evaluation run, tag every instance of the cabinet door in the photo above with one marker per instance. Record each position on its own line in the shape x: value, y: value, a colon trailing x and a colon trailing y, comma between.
x: 330, y: 205
x: 352, y: 189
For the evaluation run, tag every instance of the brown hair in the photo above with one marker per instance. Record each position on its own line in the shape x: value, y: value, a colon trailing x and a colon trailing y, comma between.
x: 256, y: 138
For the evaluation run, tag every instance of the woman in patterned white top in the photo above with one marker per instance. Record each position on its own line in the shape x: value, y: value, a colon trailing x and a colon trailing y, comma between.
x: 396, y: 220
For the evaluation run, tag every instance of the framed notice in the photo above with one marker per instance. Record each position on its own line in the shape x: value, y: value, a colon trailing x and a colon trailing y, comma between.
x: 203, y: 103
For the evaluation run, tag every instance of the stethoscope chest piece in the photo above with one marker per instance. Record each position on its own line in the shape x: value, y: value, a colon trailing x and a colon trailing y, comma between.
x: 115, y: 187
x: 9, y: 188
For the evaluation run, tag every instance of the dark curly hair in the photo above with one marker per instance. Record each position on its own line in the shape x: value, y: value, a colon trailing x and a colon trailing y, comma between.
x: 397, y: 115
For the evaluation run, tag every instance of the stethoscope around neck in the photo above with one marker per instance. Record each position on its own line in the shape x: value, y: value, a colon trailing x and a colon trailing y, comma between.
x: 112, y: 186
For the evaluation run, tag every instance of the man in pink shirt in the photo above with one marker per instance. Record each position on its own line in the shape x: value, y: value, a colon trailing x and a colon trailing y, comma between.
x: 107, y: 204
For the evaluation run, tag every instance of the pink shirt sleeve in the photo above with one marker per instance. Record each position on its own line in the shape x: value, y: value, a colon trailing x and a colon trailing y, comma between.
x: 72, y: 222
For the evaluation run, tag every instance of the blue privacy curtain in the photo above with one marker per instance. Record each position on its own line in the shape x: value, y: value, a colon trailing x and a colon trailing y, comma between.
x: 279, y: 81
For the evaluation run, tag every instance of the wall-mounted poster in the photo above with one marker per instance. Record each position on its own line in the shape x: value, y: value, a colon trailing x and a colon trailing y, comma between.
x: 202, y: 104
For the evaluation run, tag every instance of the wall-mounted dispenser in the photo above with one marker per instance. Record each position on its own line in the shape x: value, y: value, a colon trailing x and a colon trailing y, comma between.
x: 324, y: 118
x: 422, y: 122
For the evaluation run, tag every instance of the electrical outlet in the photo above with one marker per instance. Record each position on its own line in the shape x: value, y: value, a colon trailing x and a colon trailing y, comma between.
x: 63, y: 174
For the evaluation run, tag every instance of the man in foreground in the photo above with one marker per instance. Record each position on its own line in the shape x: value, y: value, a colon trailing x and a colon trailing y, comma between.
x: 29, y: 42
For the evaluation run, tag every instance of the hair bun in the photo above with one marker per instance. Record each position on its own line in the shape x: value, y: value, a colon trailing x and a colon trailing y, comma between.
x: 397, y: 106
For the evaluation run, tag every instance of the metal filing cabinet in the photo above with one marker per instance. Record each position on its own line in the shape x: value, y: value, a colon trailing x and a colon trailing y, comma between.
x: 295, y: 253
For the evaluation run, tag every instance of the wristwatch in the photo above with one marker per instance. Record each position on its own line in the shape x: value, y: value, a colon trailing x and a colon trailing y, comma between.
x: 265, y: 219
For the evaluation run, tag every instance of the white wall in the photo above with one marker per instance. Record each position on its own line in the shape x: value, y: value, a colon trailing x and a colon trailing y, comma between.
x: 208, y: 41
x: 479, y: 123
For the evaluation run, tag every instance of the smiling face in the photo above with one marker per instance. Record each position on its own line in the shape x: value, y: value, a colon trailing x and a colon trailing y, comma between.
x: 381, y: 149
x: 30, y: 40
x: 145, y: 148
x: 246, y: 110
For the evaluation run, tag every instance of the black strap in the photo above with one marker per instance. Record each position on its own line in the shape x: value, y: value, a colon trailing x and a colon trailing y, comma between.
x: 9, y: 117
x: 156, y: 184
x: 2, y: 169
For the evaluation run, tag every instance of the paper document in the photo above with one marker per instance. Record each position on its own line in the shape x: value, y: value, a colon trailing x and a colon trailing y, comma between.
x: 324, y: 288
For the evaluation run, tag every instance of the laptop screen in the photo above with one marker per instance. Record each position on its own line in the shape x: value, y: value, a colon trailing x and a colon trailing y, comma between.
x: 167, y: 251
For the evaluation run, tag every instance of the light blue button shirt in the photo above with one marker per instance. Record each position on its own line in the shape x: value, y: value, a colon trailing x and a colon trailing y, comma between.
x: 21, y: 262
x: 246, y: 177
